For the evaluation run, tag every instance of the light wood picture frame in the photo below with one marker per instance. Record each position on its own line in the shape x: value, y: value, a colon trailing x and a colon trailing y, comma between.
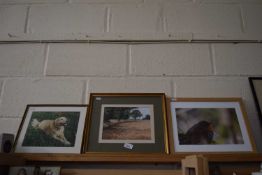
x: 126, y: 123
x: 210, y: 125
x: 51, y: 129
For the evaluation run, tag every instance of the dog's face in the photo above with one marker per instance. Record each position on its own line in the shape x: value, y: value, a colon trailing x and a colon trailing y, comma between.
x: 61, y: 121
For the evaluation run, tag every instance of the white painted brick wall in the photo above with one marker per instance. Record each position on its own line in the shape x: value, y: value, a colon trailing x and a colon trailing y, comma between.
x: 252, y: 16
x: 15, y: 25
x: 22, y: 60
x: 1, y: 82
x: 87, y: 59
x: 30, y: 1
x: 66, y: 18
x: 171, y: 59
x: 229, y: 1
x: 66, y: 73
x: 125, y: 85
x: 208, y: 87
x: 203, y: 18
x: 9, y: 125
x: 130, y: 19
x: 238, y: 59
x: 20, y: 92
x: 215, y: 87
x: 107, y: 1
x: 135, y: 19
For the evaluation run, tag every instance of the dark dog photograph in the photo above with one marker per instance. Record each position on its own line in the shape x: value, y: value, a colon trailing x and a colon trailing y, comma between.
x: 210, y: 125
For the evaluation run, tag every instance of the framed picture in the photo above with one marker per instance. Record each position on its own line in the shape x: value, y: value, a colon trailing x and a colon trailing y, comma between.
x: 128, y: 122
x: 22, y: 170
x: 256, y: 87
x: 50, y: 170
x: 51, y: 129
x: 210, y: 125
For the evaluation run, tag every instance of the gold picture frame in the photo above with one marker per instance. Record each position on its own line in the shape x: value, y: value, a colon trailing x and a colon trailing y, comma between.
x: 126, y: 123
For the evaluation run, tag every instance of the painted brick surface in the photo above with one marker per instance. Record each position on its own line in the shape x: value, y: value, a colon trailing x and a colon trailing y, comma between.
x: 85, y: 59
x: 30, y: 1
x: 229, y: 1
x: 179, y: 70
x: 21, y: 59
x: 9, y: 125
x: 215, y: 88
x: 238, y: 59
x: 1, y: 84
x: 12, y: 20
x: 67, y: 18
x: 106, y: 1
x: 139, y: 85
x: 253, y: 14
x: 162, y: 1
x: 171, y: 59
x: 209, y: 87
x: 203, y: 18
x: 20, y: 92
x: 135, y: 18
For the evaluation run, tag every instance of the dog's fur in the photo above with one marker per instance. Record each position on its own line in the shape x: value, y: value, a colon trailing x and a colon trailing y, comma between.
x: 54, y: 128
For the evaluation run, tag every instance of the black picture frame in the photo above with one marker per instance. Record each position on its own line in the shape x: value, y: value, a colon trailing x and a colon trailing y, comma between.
x: 256, y: 88
x: 72, y: 128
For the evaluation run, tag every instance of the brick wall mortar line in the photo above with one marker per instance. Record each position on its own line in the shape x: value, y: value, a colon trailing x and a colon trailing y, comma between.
x: 213, y: 58
x: 27, y: 21
x: 164, y: 23
x: 46, y: 55
x: 2, y: 91
x: 128, y: 41
x: 242, y: 18
x: 85, y: 91
x: 130, y: 76
x: 173, y: 90
x: 161, y: 20
x: 107, y: 19
x: 129, y: 60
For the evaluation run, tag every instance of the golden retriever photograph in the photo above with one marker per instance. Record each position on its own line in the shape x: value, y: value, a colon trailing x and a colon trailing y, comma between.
x: 52, y: 129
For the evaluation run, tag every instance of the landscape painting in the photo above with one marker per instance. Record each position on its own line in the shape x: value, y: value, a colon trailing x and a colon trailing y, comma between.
x: 121, y: 123
x: 209, y: 126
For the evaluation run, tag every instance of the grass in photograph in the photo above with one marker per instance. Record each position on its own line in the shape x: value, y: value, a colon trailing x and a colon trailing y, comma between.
x: 127, y: 123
